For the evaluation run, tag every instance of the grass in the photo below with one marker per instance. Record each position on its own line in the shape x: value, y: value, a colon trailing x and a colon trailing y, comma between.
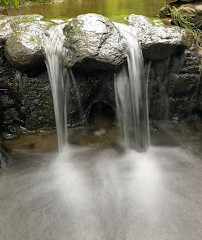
x: 181, y: 20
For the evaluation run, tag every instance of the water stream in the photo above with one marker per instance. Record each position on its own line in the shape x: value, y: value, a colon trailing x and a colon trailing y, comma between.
x: 131, y: 88
x: 60, y: 79
x: 88, y: 194
x: 53, y: 46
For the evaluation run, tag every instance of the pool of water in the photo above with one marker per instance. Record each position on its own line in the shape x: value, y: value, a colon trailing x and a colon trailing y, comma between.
x: 116, y: 10
x: 85, y: 194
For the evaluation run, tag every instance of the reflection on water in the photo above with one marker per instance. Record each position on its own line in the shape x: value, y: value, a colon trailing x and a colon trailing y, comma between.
x: 102, y: 195
x: 104, y: 137
x: 113, y: 9
x: 47, y: 141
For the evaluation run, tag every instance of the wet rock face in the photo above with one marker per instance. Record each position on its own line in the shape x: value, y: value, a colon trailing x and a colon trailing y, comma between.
x: 94, y: 89
x: 36, y: 102
x: 93, y: 43
x: 157, y: 40
x: 8, y: 23
x: 23, y: 47
x: 9, y: 97
x: 95, y: 50
x: 174, y: 87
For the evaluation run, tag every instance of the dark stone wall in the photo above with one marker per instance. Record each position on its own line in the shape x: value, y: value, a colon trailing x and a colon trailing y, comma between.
x: 175, y: 93
x: 92, y: 88
x: 36, y: 102
x: 175, y: 87
x: 9, y: 97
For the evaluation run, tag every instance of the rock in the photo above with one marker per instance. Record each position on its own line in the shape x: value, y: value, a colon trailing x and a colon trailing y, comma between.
x: 96, y: 92
x: 93, y: 43
x: 24, y: 49
x: 95, y: 49
x: 36, y: 102
x: 159, y: 41
x: 9, y: 98
x: 179, y: 1
x: 164, y: 12
x: 171, y: 1
x: 8, y: 23
x: 5, y: 29
x: 2, y: 160
x: 192, y: 13
x: 4, y: 156
x: 1, y: 150
x: 188, y: 1
x: 174, y: 90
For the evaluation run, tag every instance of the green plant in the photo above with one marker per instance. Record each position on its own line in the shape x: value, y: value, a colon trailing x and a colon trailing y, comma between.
x: 182, y: 21
x: 6, y: 3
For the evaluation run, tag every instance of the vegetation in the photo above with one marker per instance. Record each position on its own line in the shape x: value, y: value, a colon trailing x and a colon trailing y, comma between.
x: 6, y: 3
x: 181, y: 20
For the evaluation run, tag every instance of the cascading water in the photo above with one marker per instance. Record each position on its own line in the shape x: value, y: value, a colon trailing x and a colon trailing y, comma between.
x: 131, y: 89
x: 60, y: 79
x: 53, y: 46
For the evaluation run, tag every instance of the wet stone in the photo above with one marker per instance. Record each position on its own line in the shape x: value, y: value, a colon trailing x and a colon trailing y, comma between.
x: 93, y: 43
x: 157, y: 40
x: 24, y: 46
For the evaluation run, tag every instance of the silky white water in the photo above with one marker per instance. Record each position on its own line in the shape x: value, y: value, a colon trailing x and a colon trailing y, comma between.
x: 91, y: 194
x: 131, y: 89
x: 53, y: 46
x: 61, y: 79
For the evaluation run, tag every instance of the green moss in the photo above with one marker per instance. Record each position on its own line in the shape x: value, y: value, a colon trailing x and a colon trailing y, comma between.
x: 181, y: 20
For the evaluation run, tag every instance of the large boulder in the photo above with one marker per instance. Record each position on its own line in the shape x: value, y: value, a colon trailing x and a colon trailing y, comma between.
x: 24, y: 46
x: 93, y: 42
x: 157, y: 40
x: 8, y: 23
x: 5, y: 29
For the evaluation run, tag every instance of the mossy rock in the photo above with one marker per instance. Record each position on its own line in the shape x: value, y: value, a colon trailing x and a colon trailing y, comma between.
x: 190, y: 12
x: 93, y: 42
x: 165, y: 12
x: 23, y: 48
x: 193, y: 13
x: 8, y: 23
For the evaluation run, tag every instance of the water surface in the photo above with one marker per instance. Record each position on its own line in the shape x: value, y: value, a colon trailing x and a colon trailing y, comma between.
x: 102, y: 195
x: 113, y: 9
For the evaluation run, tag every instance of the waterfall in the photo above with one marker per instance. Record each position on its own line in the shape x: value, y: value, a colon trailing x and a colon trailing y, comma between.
x: 60, y: 80
x: 131, y: 89
x: 53, y: 46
